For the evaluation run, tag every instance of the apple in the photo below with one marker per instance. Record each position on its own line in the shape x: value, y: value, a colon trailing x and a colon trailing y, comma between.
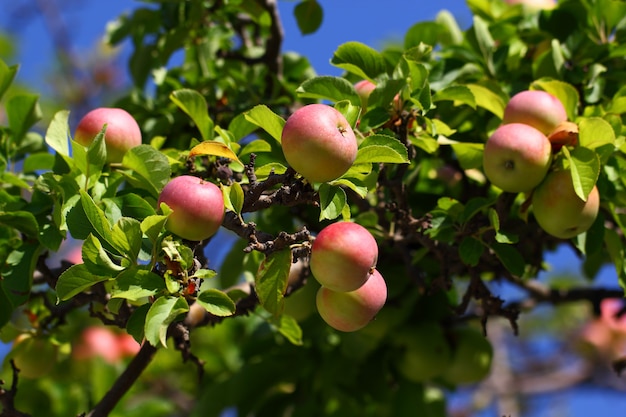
x: 122, y: 132
x: 343, y: 256
x: 517, y: 157
x: 535, y: 4
x: 197, y: 207
x: 353, y: 310
x: 34, y: 356
x: 364, y: 88
x: 102, y: 342
x: 425, y: 352
x: 565, y: 134
x: 472, y: 355
x: 536, y: 108
x: 558, y: 209
x: 319, y: 143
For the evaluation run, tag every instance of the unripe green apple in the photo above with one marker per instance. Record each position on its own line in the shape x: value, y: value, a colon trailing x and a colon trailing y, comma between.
x: 353, y: 310
x: 122, y: 132
x: 425, y: 352
x: 343, y: 256
x: 319, y: 143
x: 34, y: 356
x: 558, y: 209
x: 471, y: 357
x: 364, y: 88
x: 517, y: 157
x: 197, y: 207
x: 536, y: 108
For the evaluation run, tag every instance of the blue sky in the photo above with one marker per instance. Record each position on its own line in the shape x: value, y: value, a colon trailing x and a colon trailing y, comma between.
x: 372, y: 22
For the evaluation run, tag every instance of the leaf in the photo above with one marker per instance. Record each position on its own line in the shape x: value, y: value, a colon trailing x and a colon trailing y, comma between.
x: 585, y: 169
x: 488, y: 99
x: 458, y: 94
x: 216, y: 302
x: 162, y: 313
x: 137, y: 322
x: 90, y: 160
x: 595, y: 132
x: 267, y: 120
x: 57, y: 135
x: 288, y: 327
x: 194, y: 104
x: 470, y: 155
x: 309, y: 15
x: 359, y: 59
x: 329, y: 88
x: 98, y: 221
x: 422, y: 32
x: 17, y: 272
x: 485, y: 42
x: 382, y: 148
x: 470, y: 250
x: 510, y: 258
x: 22, y: 112
x: 271, y: 281
x: 215, y: 149
x: 152, y: 226
x: 127, y: 235
x: 23, y: 221
x: 136, y: 283
x: 350, y: 111
x: 332, y: 201
x: 233, y: 197
x: 256, y: 146
x: 96, y: 259
x: 566, y: 93
x: 150, y: 168
x: 7, y: 75
x: 76, y: 279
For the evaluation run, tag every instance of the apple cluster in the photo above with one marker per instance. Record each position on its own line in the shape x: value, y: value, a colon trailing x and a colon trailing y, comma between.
x: 518, y: 157
x: 319, y: 143
x: 343, y: 261
x: 460, y: 355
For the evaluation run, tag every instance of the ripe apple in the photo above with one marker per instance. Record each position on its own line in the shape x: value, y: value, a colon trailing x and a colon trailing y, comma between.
x: 472, y: 354
x: 319, y: 143
x: 122, y: 132
x: 536, y: 108
x: 364, y: 88
x: 197, y: 207
x: 343, y: 256
x: 558, y: 209
x: 425, y: 352
x: 565, y: 134
x: 535, y: 4
x: 34, y: 356
x: 517, y: 157
x: 353, y: 310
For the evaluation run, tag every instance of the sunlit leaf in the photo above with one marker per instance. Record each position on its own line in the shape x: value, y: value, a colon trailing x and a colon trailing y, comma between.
x: 162, y: 313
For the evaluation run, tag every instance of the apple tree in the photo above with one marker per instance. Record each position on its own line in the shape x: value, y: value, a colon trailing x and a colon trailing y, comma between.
x: 283, y: 243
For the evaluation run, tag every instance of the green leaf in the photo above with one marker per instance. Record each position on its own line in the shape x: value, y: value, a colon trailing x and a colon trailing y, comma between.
x: 459, y: 94
x: 267, y: 120
x: 309, y: 15
x: 470, y: 250
x: 563, y: 91
x: 256, y: 146
x: 422, y: 32
x: 17, y: 272
x: 194, y: 104
x: 488, y: 99
x: 150, y: 168
x: 136, y: 283
x: 162, y: 313
x: 216, y: 302
x: 382, y: 148
x: 22, y: 113
x: 90, y: 160
x: 137, y: 322
x: 96, y: 259
x: 470, y: 155
x: 152, y: 226
x: 233, y: 197
x: 485, y: 42
x: 76, y: 279
x: 7, y: 75
x: 58, y: 133
x: 329, y: 88
x: 585, y: 169
x: 350, y: 111
x: 288, y: 327
x: 510, y: 258
x: 271, y: 281
x: 23, y: 221
x: 97, y: 219
x: 595, y: 132
x: 332, y: 201
x: 126, y: 234
x: 359, y: 59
